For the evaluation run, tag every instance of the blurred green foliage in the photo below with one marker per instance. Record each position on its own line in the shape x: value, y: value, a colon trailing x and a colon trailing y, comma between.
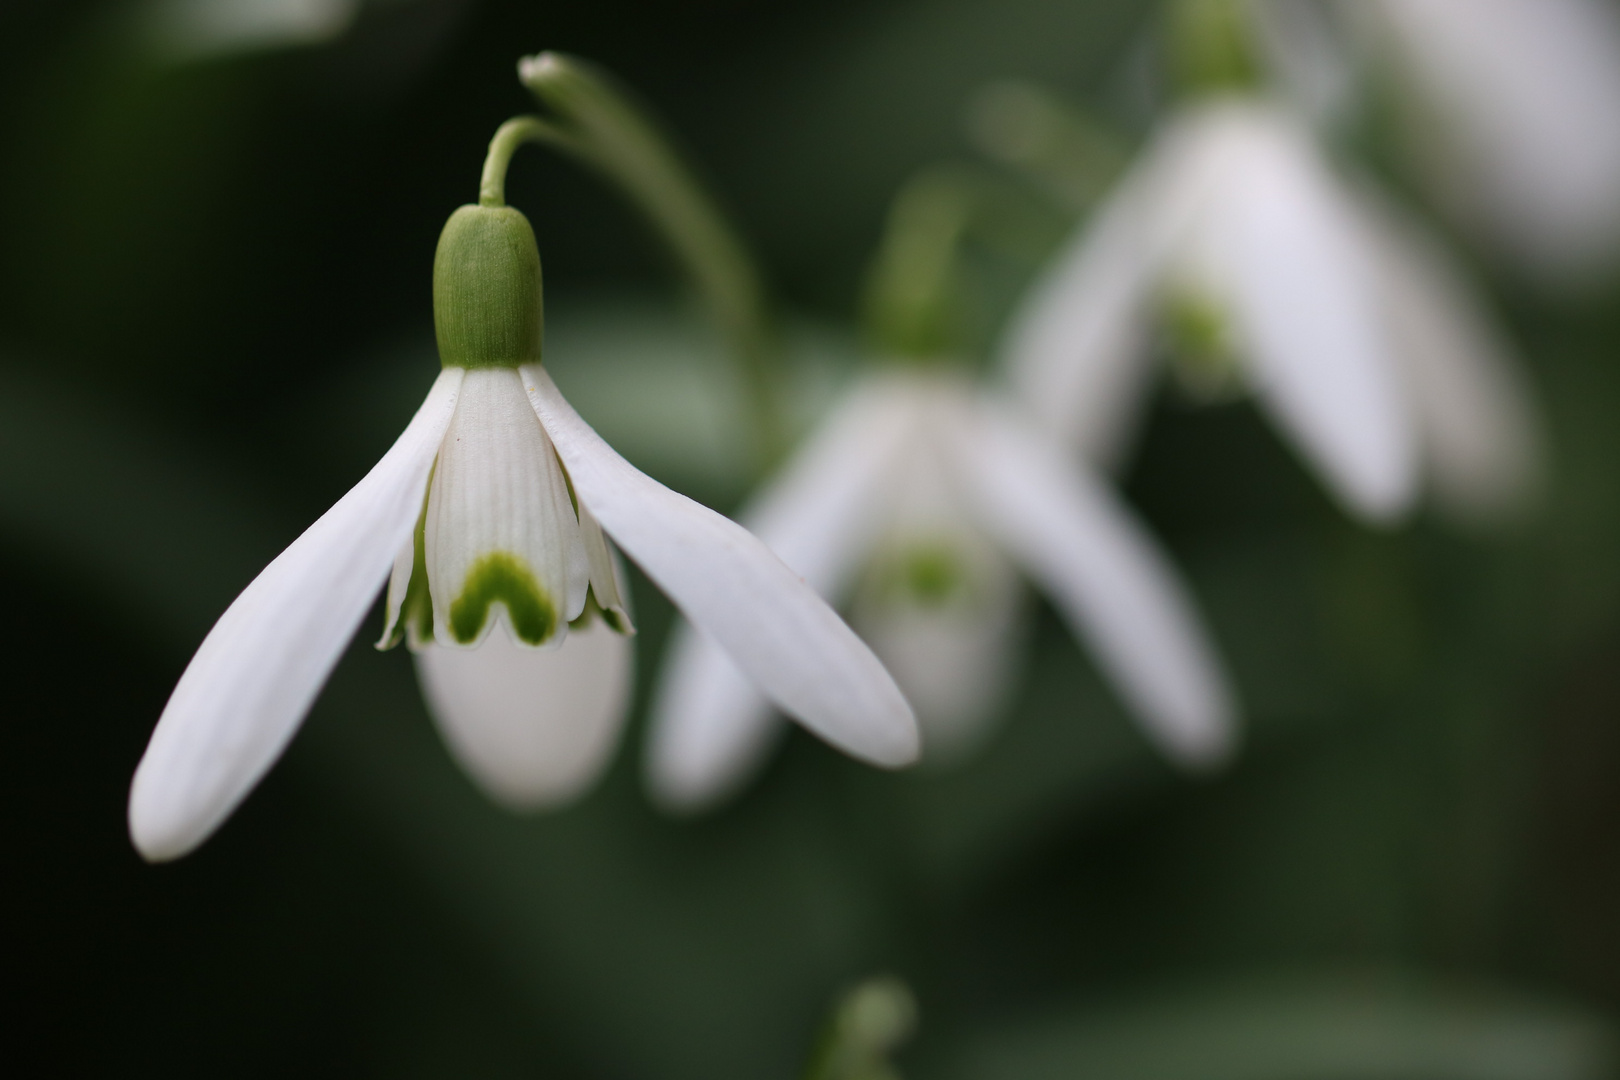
x: 215, y: 314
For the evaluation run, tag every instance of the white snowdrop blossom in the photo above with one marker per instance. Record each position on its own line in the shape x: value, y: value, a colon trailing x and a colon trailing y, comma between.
x: 184, y: 30
x: 922, y: 501
x: 1349, y: 328
x: 1514, y: 106
x: 494, y: 510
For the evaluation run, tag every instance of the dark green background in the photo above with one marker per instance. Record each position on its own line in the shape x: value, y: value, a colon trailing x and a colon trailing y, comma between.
x: 214, y: 314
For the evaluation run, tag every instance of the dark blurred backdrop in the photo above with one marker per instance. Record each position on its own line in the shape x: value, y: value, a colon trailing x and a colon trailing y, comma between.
x: 214, y: 314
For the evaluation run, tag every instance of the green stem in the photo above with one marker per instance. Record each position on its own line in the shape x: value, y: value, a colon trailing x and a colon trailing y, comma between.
x: 913, y: 290
x: 598, y: 124
x: 1212, y: 47
x: 508, y: 137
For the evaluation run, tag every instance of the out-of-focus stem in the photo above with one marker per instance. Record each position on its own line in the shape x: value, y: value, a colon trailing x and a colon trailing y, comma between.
x: 868, y: 1024
x: 606, y: 131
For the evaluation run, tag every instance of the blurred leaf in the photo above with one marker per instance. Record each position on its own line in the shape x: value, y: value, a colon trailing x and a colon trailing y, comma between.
x: 1323, y: 1026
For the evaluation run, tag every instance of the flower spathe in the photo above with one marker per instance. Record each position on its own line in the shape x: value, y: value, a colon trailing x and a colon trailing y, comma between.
x: 924, y: 498
x: 471, y: 518
x: 1332, y: 309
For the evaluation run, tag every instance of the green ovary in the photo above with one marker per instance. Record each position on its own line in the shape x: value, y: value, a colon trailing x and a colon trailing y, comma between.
x: 501, y: 577
x: 927, y: 574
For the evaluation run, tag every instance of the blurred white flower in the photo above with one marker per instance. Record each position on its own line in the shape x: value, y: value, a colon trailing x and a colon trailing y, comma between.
x: 1351, y: 333
x: 923, y: 498
x: 180, y: 30
x: 494, y: 539
x: 1514, y: 116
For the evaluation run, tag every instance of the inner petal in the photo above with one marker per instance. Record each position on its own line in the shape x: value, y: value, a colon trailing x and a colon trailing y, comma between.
x: 500, y: 537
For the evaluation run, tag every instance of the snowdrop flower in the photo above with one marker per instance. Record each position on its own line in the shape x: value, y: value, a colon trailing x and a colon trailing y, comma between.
x: 182, y: 30
x: 1514, y: 105
x: 1349, y: 330
x: 494, y: 510
x: 923, y: 500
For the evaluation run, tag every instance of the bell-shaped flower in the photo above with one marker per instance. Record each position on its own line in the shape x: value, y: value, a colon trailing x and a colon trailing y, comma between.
x: 494, y: 510
x: 921, y: 502
x: 1350, y: 332
x: 1510, y: 110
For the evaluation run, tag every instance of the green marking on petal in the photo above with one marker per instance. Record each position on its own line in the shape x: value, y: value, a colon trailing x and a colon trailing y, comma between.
x: 932, y: 574
x: 615, y: 619
x: 501, y: 577
x: 1203, y: 347
x: 922, y: 573
x: 417, y: 610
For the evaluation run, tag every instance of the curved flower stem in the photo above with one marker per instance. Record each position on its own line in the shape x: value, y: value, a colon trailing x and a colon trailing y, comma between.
x: 597, y: 124
x: 508, y: 137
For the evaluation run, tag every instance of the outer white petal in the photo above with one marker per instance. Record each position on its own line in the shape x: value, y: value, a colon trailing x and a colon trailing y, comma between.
x: 1107, y: 577
x: 1076, y: 349
x: 1285, y: 249
x: 1473, y: 408
x: 783, y: 636
x: 498, y: 488
x: 534, y: 727
x: 711, y: 727
x: 260, y: 667
x: 1521, y: 130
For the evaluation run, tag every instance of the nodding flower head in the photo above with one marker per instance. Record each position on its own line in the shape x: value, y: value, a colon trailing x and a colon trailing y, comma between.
x: 495, y: 509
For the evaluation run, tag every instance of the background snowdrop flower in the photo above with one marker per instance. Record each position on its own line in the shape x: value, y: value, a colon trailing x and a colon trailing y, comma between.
x: 182, y: 30
x: 1479, y: 432
x: 1512, y: 114
x: 1234, y: 218
x: 920, y: 496
x: 475, y: 508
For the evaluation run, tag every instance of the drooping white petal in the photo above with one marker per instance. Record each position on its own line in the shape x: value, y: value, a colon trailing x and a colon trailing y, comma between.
x: 256, y: 673
x: 711, y: 726
x: 1519, y: 129
x: 937, y: 601
x: 500, y: 533
x: 783, y: 636
x: 1106, y: 576
x: 1284, y: 252
x: 1474, y: 412
x: 534, y: 727
x: 1076, y: 349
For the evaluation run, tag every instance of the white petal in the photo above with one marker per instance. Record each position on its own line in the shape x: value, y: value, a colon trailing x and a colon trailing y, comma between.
x: 711, y: 730
x: 183, y: 30
x: 1474, y: 411
x: 956, y: 660
x: 1108, y: 579
x: 1521, y: 130
x: 534, y: 727
x: 711, y: 726
x: 603, y: 569
x: 399, y: 582
x: 1284, y: 248
x: 499, y: 494
x: 260, y: 667
x: 773, y: 625
x: 1076, y: 349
